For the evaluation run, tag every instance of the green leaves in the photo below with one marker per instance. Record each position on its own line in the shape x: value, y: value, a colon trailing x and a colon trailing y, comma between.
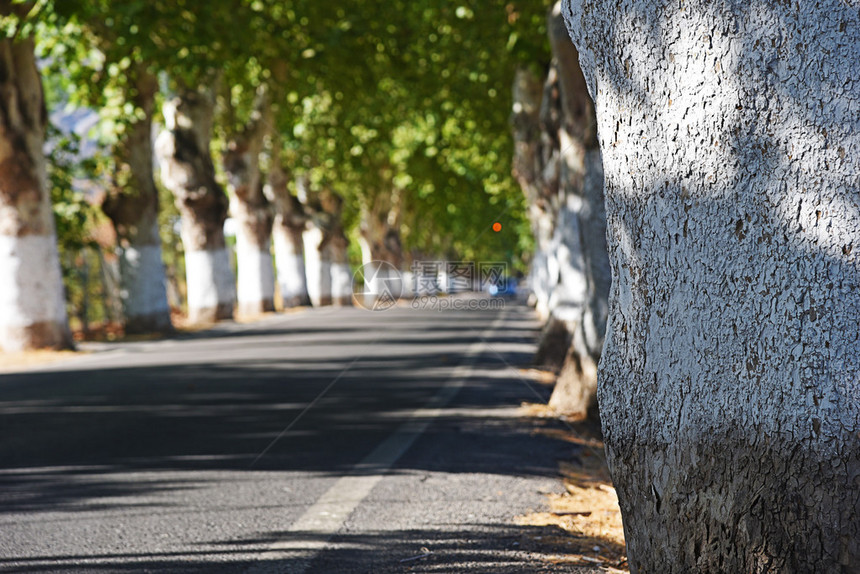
x: 68, y: 174
x: 369, y: 96
x: 422, y: 110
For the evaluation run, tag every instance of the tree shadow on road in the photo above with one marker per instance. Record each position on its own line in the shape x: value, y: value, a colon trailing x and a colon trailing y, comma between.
x: 497, y: 548
x: 155, y: 437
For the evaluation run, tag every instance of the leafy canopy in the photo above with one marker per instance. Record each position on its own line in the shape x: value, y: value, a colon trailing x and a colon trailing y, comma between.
x: 368, y: 97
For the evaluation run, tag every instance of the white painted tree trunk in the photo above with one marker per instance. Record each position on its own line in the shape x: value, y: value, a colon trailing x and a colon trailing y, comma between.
x: 187, y: 171
x: 575, y: 389
x: 341, y: 274
x: 132, y: 205
x: 566, y: 264
x: 539, y: 281
x: 256, y: 276
x: 143, y: 288
x: 326, y: 259
x: 210, y: 285
x: 290, y: 261
x: 535, y: 167
x: 289, y: 224
x: 407, y: 284
x: 341, y: 284
x: 730, y: 381
x: 317, y: 268
x: 109, y: 271
x: 381, y: 279
x: 32, y: 304
x: 443, y: 278
x: 252, y: 212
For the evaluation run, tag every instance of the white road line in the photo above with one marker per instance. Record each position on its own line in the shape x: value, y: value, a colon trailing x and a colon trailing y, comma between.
x: 326, y: 517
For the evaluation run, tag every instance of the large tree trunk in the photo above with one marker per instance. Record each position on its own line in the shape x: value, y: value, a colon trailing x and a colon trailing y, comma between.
x: 32, y: 306
x: 574, y: 394
x: 730, y: 381
x: 288, y: 227
x: 111, y: 297
x: 187, y: 171
x: 132, y: 206
x: 290, y: 221
x: 252, y: 212
x: 562, y: 275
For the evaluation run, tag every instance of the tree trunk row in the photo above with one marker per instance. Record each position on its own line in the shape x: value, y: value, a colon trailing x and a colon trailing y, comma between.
x: 558, y: 164
x: 32, y: 302
x: 309, y: 241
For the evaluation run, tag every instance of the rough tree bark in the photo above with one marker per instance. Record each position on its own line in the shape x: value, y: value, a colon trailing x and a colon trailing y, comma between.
x: 132, y: 206
x: 289, y: 225
x: 730, y: 381
x: 252, y: 212
x: 32, y: 305
x: 187, y: 171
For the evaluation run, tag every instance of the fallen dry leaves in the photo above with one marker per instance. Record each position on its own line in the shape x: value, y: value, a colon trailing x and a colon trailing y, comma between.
x: 26, y: 359
x: 588, y: 512
x: 541, y: 376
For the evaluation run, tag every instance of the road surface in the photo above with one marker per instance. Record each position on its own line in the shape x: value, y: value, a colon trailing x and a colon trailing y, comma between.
x: 324, y: 441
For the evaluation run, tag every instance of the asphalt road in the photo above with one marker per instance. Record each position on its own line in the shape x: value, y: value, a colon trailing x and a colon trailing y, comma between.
x: 325, y: 441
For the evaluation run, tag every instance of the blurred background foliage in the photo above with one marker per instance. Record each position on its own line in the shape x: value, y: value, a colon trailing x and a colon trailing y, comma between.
x: 369, y: 98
